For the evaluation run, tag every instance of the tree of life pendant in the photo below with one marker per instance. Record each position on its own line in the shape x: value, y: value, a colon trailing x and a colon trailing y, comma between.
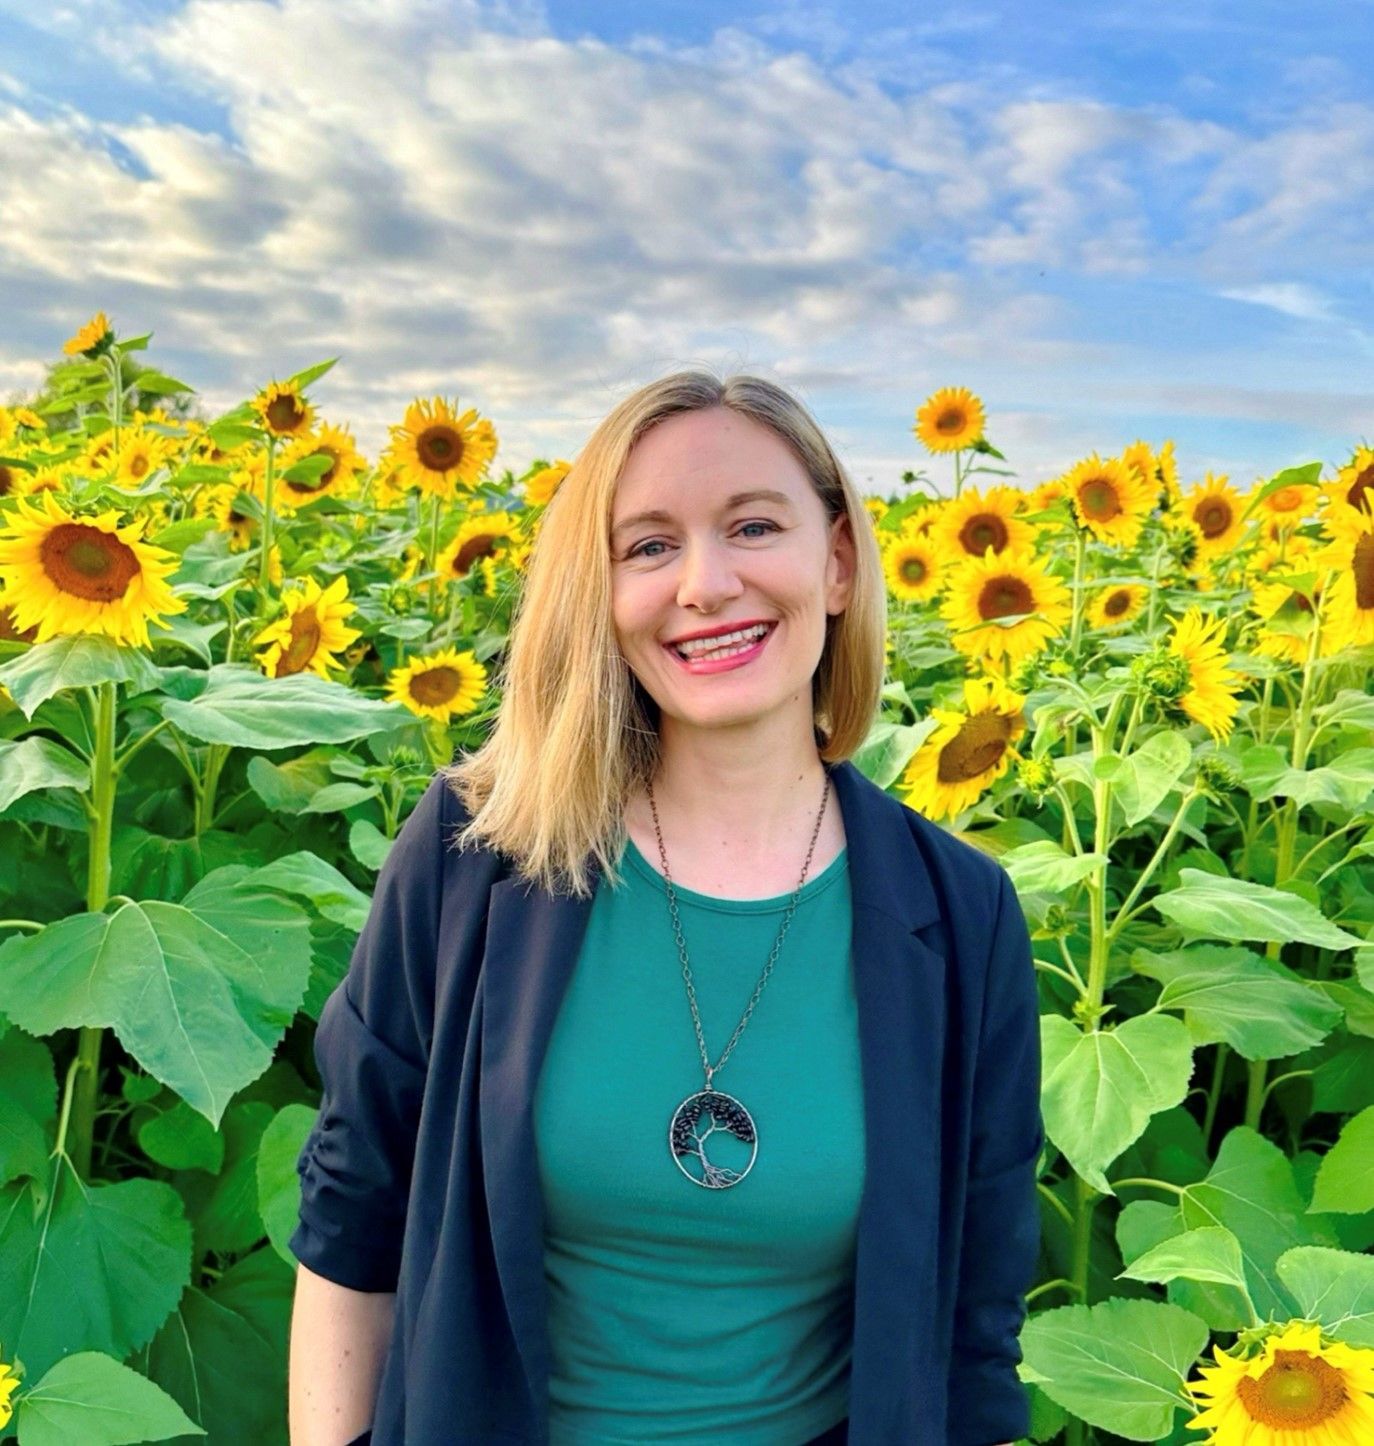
x: 697, y: 1118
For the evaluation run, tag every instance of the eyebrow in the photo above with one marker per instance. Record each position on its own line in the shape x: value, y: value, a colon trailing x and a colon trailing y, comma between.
x: 757, y: 494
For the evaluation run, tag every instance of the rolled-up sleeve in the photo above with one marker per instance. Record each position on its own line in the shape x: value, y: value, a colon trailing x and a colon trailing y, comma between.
x: 1001, y: 1230
x: 372, y: 1050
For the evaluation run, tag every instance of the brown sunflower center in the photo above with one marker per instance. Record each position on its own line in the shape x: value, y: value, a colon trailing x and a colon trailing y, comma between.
x: 977, y: 747
x: 440, y: 448
x: 914, y: 570
x: 951, y: 421
x: 1099, y: 499
x: 1361, y: 494
x: 305, y: 639
x: 482, y: 545
x: 7, y: 483
x: 138, y: 464
x: 1213, y: 516
x: 285, y: 412
x: 87, y: 562
x: 1003, y: 597
x: 982, y: 531
x: 1362, y: 565
x: 435, y: 686
x: 1117, y: 602
x: 1297, y: 1393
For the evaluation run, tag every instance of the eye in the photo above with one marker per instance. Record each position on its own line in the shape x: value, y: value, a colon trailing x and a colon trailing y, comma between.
x: 639, y: 550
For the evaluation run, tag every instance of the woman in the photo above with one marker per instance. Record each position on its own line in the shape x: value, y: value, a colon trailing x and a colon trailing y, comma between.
x: 695, y: 1095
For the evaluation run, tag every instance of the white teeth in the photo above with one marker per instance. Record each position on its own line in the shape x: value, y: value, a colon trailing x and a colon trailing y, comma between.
x: 701, y: 646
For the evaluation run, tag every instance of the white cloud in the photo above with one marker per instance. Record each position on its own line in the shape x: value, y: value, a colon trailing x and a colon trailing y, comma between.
x: 455, y: 201
x: 1292, y: 298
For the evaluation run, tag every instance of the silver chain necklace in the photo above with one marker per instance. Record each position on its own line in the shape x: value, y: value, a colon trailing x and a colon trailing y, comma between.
x: 722, y: 1111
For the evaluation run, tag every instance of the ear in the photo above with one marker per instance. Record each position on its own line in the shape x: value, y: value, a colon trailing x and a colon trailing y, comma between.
x: 841, y: 565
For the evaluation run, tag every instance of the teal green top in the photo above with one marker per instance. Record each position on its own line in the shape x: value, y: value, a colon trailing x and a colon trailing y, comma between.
x: 678, y: 1312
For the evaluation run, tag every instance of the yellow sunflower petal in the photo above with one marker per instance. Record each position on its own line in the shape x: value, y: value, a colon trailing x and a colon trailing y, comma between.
x: 949, y: 420
x: 64, y: 573
x: 439, y: 686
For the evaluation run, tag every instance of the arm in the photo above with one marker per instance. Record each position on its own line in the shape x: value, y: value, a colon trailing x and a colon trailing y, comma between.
x: 1001, y: 1235
x: 339, y: 1340
x: 371, y: 1048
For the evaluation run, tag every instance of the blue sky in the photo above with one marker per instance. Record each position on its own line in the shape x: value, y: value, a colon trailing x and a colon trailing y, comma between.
x: 1110, y: 221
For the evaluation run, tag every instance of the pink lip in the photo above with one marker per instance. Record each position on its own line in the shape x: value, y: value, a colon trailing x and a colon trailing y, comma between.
x: 720, y: 631
x: 720, y: 665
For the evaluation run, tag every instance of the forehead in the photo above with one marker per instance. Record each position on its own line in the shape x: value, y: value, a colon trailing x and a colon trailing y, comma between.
x: 707, y: 454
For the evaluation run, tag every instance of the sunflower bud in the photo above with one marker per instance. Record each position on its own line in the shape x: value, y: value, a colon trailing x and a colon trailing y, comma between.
x: 1217, y: 774
x: 1026, y: 674
x: 1162, y: 675
x: 1058, y: 921
x: 1036, y: 776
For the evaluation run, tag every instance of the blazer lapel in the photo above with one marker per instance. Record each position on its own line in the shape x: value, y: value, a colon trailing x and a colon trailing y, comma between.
x: 533, y: 939
x: 899, y: 985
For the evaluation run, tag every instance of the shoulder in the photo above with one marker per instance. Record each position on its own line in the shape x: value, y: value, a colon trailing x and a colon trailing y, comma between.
x: 429, y: 846
x: 952, y: 859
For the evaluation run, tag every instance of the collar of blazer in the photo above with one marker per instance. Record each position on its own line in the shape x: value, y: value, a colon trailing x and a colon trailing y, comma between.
x: 532, y: 943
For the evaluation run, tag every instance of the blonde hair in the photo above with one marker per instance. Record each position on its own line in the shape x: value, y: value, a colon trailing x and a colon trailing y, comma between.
x: 576, y: 734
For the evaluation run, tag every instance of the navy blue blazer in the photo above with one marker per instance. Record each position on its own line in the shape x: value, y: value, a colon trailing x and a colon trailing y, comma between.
x: 420, y: 1175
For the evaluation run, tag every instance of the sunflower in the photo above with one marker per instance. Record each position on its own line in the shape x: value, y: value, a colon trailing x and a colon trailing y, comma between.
x: 91, y: 337
x: 912, y: 567
x: 540, y: 488
x: 27, y: 417
x: 968, y: 752
x: 1350, y: 498
x: 1350, y: 608
x: 12, y: 480
x: 344, y: 463
x: 950, y: 420
x: 1286, y: 508
x: 440, y: 685
x: 139, y: 456
x: 1289, y: 615
x: 478, y: 536
x: 8, y: 1381
x: 1294, y: 1390
x: 438, y: 450
x: 283, y: 411
x: 1013, y: 585
x: 1215, y: 506
x: 1166, y: 474
x: 876, y: 507
x: 1117, y: 605
x: 225, y: 504
x: 1210, y: 696
x: 68, y: 574
x: 310, y: 632
x: 971, y: 523
x: 1047, y: 494
x: 1110, y: 498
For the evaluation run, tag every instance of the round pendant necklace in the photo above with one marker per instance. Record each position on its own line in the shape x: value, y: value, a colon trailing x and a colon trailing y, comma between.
x: 706, y: 1111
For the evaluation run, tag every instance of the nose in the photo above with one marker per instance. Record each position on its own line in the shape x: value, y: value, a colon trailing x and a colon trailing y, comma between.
x: 707, y: 577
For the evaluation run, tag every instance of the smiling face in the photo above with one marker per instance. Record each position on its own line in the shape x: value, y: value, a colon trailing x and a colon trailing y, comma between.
x: 738, y: 537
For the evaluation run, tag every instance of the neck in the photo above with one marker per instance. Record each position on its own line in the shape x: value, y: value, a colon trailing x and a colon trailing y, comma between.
x: 738, y: 793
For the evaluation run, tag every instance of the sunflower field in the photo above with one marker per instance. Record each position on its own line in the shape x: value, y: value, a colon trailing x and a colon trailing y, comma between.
x: 232, y: 653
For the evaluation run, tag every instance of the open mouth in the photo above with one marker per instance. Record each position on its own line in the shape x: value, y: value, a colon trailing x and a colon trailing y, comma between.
x: 729, y: 648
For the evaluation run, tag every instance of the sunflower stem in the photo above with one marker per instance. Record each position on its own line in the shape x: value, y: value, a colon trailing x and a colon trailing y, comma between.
x: 102, y: 795
x: 1076, y: 631
x: 265, y: 561
x: 433, y: 550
